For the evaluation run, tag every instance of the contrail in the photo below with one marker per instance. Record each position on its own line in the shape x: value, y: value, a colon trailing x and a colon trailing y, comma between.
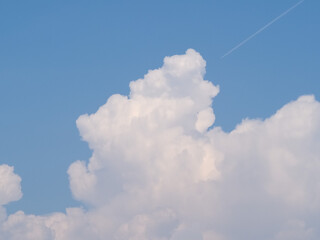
x: 263, y: 28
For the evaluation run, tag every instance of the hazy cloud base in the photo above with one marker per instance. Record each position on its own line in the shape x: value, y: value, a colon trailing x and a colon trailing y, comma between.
x: 158, y: 173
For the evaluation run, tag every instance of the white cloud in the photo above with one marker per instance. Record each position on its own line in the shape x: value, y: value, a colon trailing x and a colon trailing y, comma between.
x: 10, y: 189
x: 158, y: 173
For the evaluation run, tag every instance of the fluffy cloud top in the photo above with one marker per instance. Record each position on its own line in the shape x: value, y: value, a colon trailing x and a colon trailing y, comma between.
x: 159, y: 172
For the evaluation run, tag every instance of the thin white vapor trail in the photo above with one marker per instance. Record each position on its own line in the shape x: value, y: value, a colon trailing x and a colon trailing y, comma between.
x: 261, y: 29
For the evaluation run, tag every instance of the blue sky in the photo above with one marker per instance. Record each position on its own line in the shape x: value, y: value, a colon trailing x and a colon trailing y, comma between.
x: 61, y: 59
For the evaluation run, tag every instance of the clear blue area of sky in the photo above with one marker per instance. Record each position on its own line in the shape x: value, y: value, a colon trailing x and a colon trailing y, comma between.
x: 60, y: 59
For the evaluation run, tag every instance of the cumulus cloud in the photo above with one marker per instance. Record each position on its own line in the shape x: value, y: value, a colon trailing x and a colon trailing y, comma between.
x: 160, y: 171
x: 10, y: 189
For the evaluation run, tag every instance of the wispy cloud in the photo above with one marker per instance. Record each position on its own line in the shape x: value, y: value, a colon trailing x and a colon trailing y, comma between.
x: 262, y: 29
